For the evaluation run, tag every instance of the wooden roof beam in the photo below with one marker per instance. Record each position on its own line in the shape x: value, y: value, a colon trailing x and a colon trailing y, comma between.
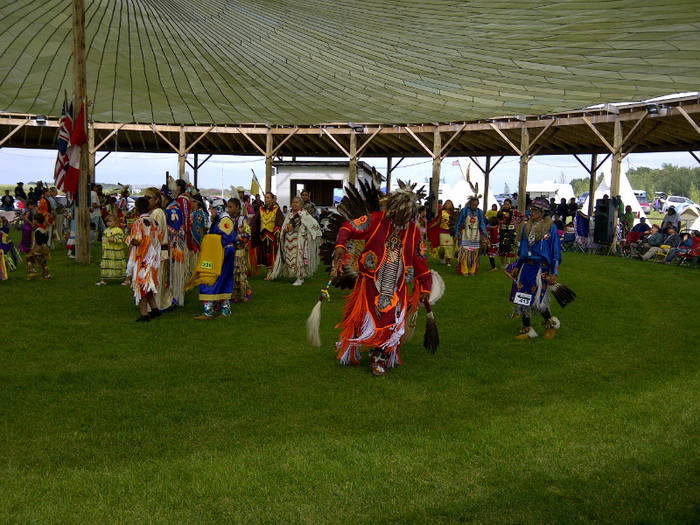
x: 687, y: 117
x: 17, y: 128
x: 113, y: 132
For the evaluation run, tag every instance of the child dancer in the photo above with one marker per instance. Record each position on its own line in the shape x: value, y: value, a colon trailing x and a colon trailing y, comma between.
x: 493, y: 240
x: 40, y: 253
x: 144, y: 261
x: 113, y: 264
x: 25, y: 245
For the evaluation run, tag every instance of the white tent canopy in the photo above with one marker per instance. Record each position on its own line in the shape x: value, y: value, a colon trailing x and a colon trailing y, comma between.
x: 626, y: 192
x: 696, y: 225
x: 549, y: 189
x: 691, y: 214
x: 315, y: 61
x: 462, y: 190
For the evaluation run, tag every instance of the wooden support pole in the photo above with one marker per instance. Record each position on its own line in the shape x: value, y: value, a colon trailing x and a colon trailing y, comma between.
x: 487, y: 175
x: 195, y: 170
x: 91, y: 152
x: 435, y: 180
x: 524, y: 162
x: 82, y: 219
x: 591, y: 184
x: 268, y: 161
x: 615, y: 175
x: 181, y: 152
x: 352, y: 172
x: 389, y: 169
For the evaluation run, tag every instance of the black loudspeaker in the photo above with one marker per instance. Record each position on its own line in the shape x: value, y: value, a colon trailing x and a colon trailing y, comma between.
x: 604, y: 226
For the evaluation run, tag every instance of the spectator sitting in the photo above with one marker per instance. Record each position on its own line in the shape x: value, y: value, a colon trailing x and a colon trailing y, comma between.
x: 649, y: 244
x: 558, y: 223
x: 684, y: 247
x: 641, y: 227
x: 671, y: 219
x: 672, y: 239
x: 627, y: 219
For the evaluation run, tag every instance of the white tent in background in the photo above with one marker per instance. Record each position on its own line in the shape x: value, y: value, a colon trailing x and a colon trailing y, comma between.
x: 549, y: 189
x: 462, y: 190
x: 691, y: 214
x: 695, y: 225
x: 626, y: 192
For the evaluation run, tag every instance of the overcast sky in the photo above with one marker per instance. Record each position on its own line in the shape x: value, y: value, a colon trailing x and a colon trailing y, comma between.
x: 224, y: 171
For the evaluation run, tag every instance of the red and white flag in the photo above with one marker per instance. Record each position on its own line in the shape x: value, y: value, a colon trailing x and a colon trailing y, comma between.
x: 62, y: 144
x: 78, y: 137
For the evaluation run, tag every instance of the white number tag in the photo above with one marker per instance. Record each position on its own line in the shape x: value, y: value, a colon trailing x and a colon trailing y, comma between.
x: 523, y: 299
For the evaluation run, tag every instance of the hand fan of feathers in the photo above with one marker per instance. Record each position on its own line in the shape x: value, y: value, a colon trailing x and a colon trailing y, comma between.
x: 355, y: 204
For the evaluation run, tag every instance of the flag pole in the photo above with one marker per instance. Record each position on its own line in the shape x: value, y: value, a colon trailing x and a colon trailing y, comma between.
x: 82, y: 218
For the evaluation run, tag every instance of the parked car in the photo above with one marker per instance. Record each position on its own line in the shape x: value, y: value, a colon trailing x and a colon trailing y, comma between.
x: 500, y: 197
x: 645, y: 204
x: 678, y: 202
x: 582, y: 199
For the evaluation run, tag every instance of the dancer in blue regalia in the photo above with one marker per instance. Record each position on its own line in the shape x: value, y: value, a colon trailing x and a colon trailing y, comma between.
x: 539, y: 256
x: 217, y: 297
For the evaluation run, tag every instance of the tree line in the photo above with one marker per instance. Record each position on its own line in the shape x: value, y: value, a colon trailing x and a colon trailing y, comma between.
x: 671, y: 179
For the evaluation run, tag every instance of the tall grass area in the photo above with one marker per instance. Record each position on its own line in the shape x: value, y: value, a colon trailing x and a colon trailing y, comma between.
x: 108, y: 421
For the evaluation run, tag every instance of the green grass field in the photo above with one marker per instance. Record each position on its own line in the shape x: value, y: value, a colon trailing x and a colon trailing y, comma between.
x: 108, y: 421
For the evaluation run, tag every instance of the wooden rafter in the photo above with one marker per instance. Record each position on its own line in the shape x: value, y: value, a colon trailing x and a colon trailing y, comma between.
x: 599, y: 134
x: 7, y: 137
x: 420, y: 142
x: 444, y: 151
x: 175, y: 148
x: 115, y: 130
x: 187, y: 150
x: 285, y: 139
x: 690, y: 120
x: 503, y: 136
x: 366, y: 142
x: 262, y: 151
x: 335, y: 141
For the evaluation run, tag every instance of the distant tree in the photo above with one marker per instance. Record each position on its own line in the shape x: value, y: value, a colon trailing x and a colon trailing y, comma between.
x: 506, y: 189
x: 674, y: 180
x: 562, y: 178
x: 583, y: 184
x: 694, y: 193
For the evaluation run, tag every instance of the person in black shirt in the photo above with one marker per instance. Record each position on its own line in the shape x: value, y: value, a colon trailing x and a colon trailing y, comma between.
x: 19, y: 192
x: 8, y: 201
x: 563, y: 210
